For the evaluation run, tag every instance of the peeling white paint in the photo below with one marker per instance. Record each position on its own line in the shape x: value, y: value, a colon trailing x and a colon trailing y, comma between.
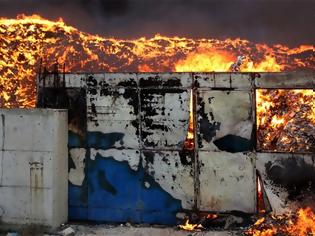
x: 76, y: 175
x: 172, y: 113
x: 232, y: 110
x: 131, y: 156
x: 172, y: 175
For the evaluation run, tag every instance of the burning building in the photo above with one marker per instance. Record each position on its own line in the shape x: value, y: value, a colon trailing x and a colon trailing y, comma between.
x: 155, y: 147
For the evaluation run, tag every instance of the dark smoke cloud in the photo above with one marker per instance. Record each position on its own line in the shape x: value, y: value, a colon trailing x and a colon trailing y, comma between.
x: 272, y: 21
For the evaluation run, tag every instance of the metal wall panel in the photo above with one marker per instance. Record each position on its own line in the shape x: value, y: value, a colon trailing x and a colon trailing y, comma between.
x: 301, y: 79
x: 288, y: 179
x: 174, y: 172
x: 160, y: 80
x: 227, y: 181
x: 164, y: 118
x: 121, y: 108
x: 126, y: 136
x: 235, y: 81
x: 225, y: 120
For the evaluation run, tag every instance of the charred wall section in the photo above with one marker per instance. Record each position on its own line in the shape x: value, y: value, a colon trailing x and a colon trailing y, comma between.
x: 127, y: 160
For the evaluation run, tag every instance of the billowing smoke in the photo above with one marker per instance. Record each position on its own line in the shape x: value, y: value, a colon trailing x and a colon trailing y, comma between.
x: 273, y: 21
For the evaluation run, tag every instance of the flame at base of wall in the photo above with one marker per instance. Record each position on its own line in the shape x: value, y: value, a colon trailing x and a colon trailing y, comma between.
x: 301, y: 223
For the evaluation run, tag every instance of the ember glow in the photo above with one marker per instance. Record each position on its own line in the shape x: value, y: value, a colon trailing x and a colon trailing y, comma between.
x: 286, y: 120
x: 26, y: 39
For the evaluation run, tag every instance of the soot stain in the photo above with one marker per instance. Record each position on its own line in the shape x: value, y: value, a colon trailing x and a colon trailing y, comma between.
x: 128, y: 83
x: 150, y: 81
x: 173, y: 82
x: 207, y: 129
x: 233, y: 143
x: 91, y: 83
x: 150, y: 109
x: 133, y: 100
x: 186, y: 158
x: 293, y: 174
x: 149, y: 157
x: 130, y: 95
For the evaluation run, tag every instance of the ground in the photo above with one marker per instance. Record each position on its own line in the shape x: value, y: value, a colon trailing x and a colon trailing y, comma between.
x: 88, y: 230
x: 125, y: 230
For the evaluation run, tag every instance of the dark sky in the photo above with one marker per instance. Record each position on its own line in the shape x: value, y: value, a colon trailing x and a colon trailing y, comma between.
x: 272, y: 21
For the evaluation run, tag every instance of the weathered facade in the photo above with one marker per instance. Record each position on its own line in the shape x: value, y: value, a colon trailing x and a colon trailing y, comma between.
x: 33, y: 167
x: 127, y: 160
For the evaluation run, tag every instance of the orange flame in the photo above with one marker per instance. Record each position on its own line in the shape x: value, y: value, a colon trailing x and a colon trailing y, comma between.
x: 300, y: 224
x: 190, y: 227
x: 190, y: 139
x: 26, y: 39
x: 285, y: 119
x: 260, y: 196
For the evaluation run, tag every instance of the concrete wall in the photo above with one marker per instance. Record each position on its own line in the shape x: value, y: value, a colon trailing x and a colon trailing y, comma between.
x: 33, y: 166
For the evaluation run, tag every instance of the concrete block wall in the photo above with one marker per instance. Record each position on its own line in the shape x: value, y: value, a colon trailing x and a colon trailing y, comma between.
x: 33, y: 166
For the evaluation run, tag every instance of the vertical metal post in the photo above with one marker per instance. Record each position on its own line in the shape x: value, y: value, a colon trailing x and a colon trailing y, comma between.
x: 195, y: 153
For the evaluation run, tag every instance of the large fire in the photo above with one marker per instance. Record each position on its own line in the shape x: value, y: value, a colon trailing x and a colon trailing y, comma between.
x: 28, y: 38
x: 286, y: 120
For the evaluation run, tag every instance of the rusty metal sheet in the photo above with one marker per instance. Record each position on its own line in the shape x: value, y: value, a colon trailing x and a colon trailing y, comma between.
x: 227, y: 181
x: 225, y: 120
x: 286, y: 80
x: 288, y: 179
x: 164, y: 118
x: 174, y: 172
